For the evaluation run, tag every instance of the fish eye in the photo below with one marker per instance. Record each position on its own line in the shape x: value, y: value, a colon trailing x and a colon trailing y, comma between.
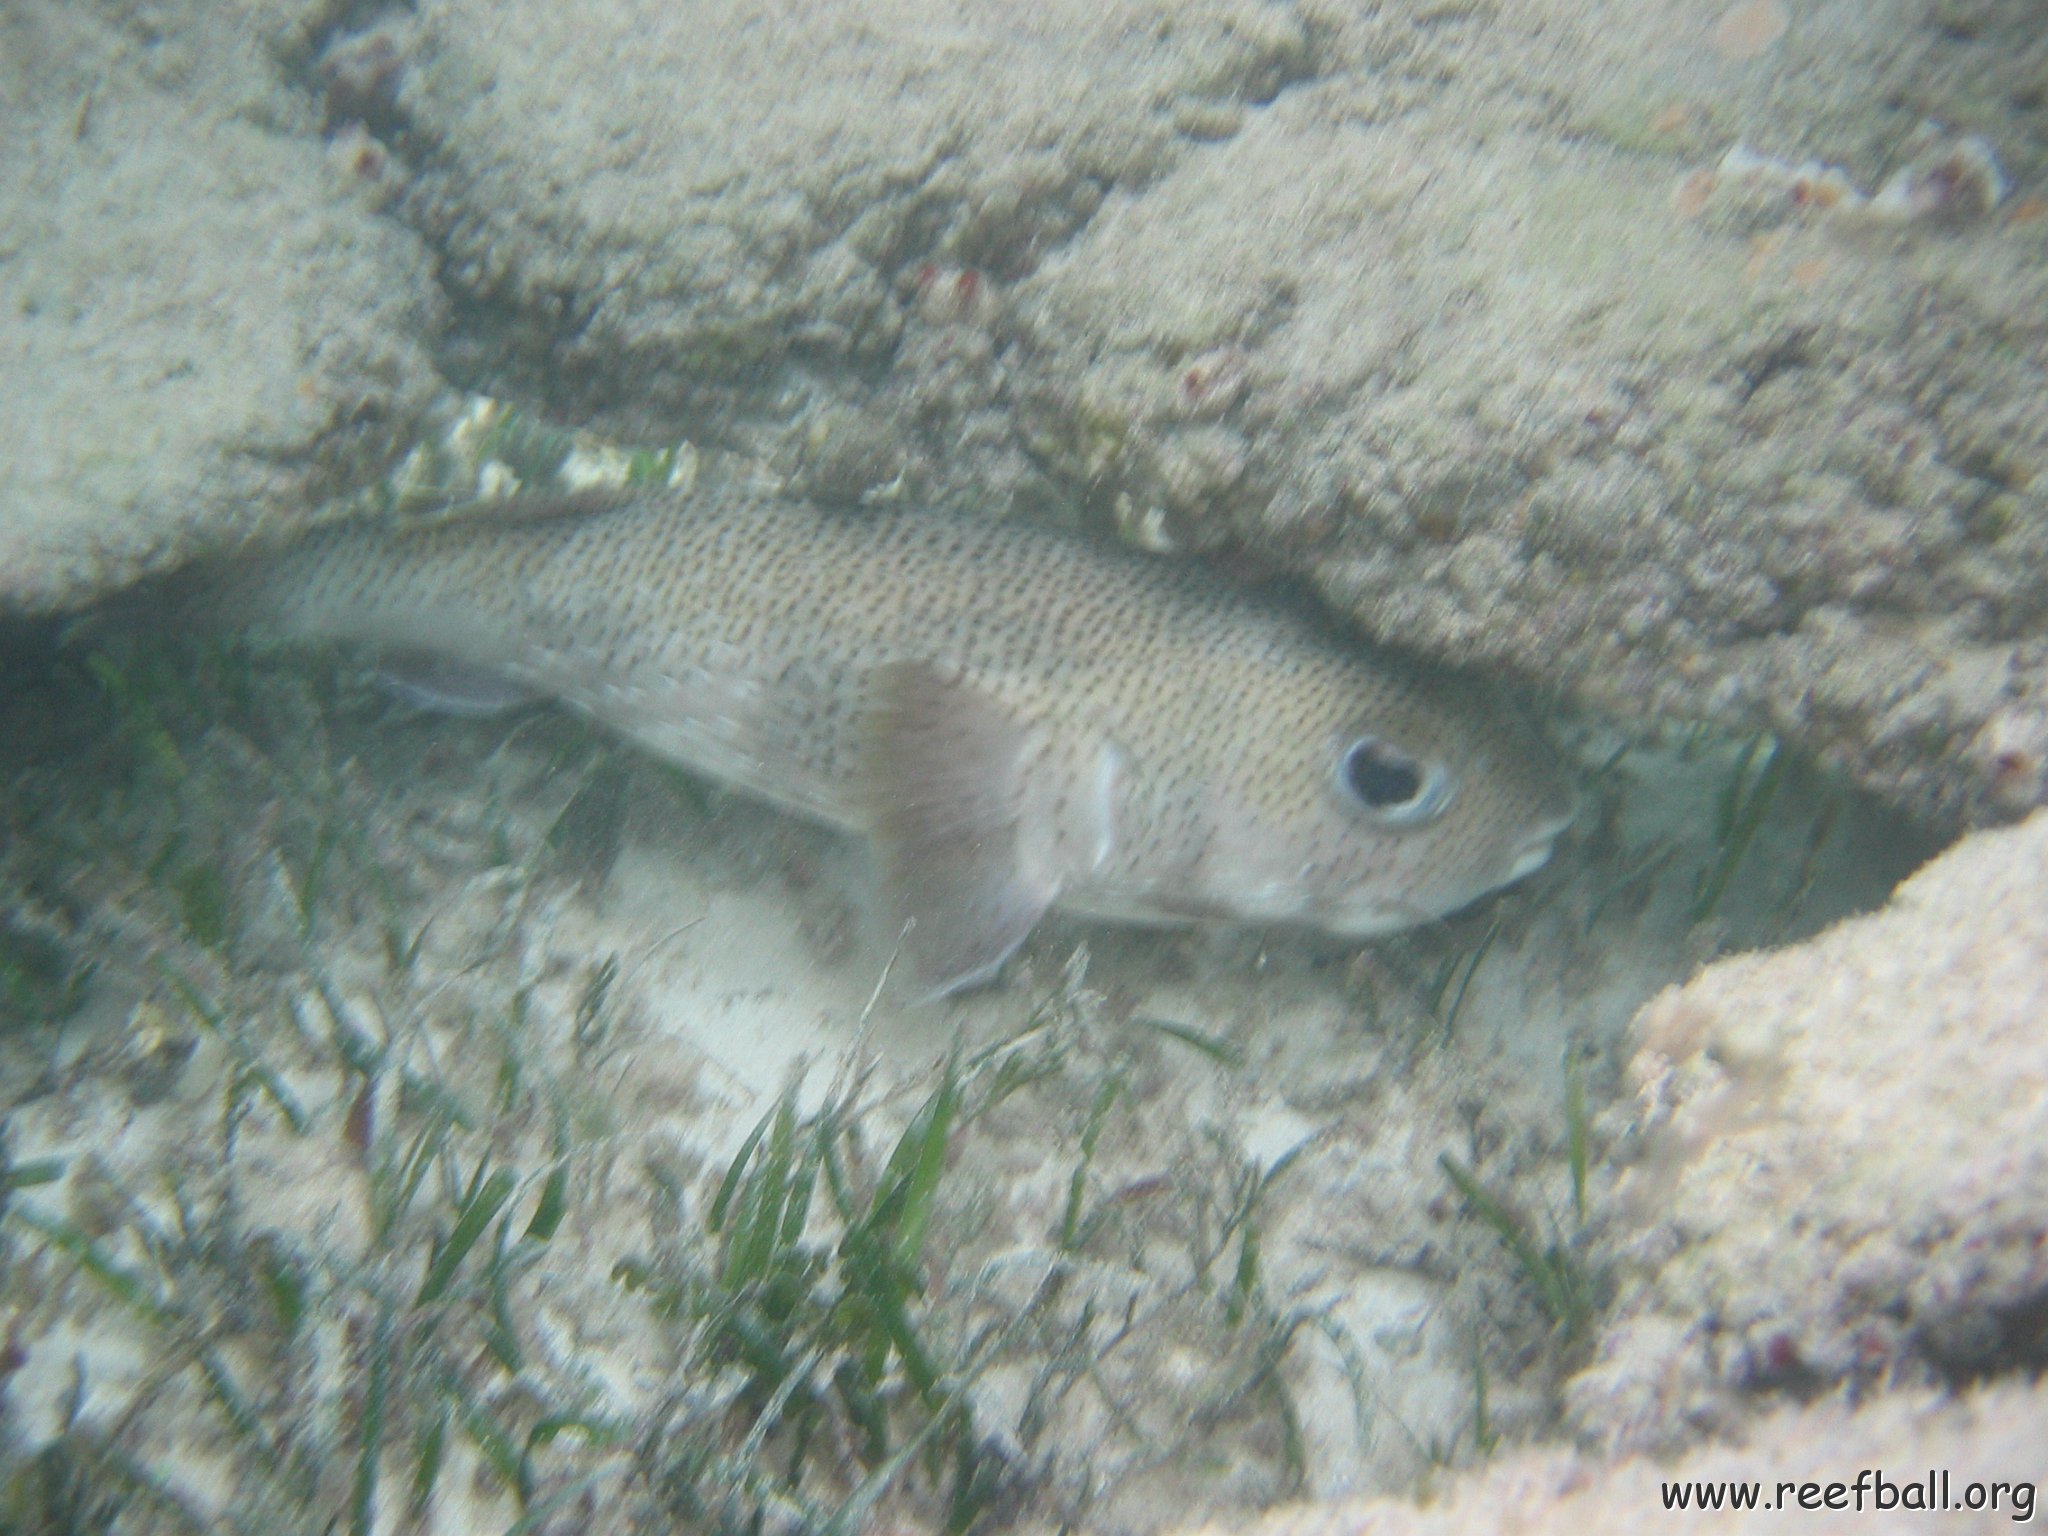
x: 1394, y: 786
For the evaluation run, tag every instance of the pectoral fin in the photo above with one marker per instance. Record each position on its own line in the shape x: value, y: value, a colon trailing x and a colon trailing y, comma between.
x: 945, y: 780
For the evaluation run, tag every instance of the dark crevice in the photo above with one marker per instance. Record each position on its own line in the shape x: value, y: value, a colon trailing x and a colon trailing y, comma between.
x: 1791, y: 349
x: 1995, y: 1341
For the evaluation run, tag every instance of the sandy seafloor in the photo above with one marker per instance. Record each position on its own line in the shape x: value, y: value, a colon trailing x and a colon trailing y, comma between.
x: 1523, y: 372
x: 741, y: 963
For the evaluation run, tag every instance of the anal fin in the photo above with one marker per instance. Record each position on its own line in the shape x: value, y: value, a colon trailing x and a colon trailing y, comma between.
x: 427, y: 681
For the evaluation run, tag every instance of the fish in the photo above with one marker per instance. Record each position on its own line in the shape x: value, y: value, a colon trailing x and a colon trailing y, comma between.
x: 1018, y: 718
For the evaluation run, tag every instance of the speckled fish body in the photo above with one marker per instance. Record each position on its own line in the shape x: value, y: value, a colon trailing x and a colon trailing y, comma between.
x: 1018, y: 718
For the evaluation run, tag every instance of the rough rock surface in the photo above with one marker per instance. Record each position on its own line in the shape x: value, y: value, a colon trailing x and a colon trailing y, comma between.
x: 1988, y: 1438
x: 1840, y: 1170
x: 661, y: 214
x: 1472, y: 357
x: 208, y: 330
x: 1441, y: 306
x: 1415, y: 301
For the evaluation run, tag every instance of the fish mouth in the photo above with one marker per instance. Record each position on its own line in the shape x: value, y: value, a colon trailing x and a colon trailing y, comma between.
x: 1359, y: 917
x: 1535, y: 848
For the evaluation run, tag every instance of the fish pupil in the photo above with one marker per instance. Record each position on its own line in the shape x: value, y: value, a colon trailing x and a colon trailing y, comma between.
x: 1380, y: 777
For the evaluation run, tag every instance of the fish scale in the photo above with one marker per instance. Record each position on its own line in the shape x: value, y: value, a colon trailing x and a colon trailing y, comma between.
x: 1018, y: 717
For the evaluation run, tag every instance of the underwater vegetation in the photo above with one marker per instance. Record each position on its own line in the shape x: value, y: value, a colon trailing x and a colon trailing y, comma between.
x: 394, y: 1242
x: 409, y: 1126
x: 342, y: 1251
x: 399, y: 1229
x: 410, y: 1251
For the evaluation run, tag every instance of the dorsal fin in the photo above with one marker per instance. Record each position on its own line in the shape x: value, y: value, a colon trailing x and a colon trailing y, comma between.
x: 525, y: 507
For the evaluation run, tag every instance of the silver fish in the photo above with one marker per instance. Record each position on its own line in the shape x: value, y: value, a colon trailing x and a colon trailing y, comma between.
x: 1017, y: 718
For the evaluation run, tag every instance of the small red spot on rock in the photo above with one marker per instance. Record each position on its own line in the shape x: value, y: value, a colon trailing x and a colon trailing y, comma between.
x: 1213, y: 382
x: 1781, y: 1355
x: 950, y: 295
x: 355, y: 1130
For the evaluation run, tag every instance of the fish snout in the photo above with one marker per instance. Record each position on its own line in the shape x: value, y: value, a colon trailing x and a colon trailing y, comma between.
x: 1533, y: 849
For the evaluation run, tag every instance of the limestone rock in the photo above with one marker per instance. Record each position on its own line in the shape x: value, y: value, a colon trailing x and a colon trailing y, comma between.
x: 209, y: 332
x: 1840, y: 1169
